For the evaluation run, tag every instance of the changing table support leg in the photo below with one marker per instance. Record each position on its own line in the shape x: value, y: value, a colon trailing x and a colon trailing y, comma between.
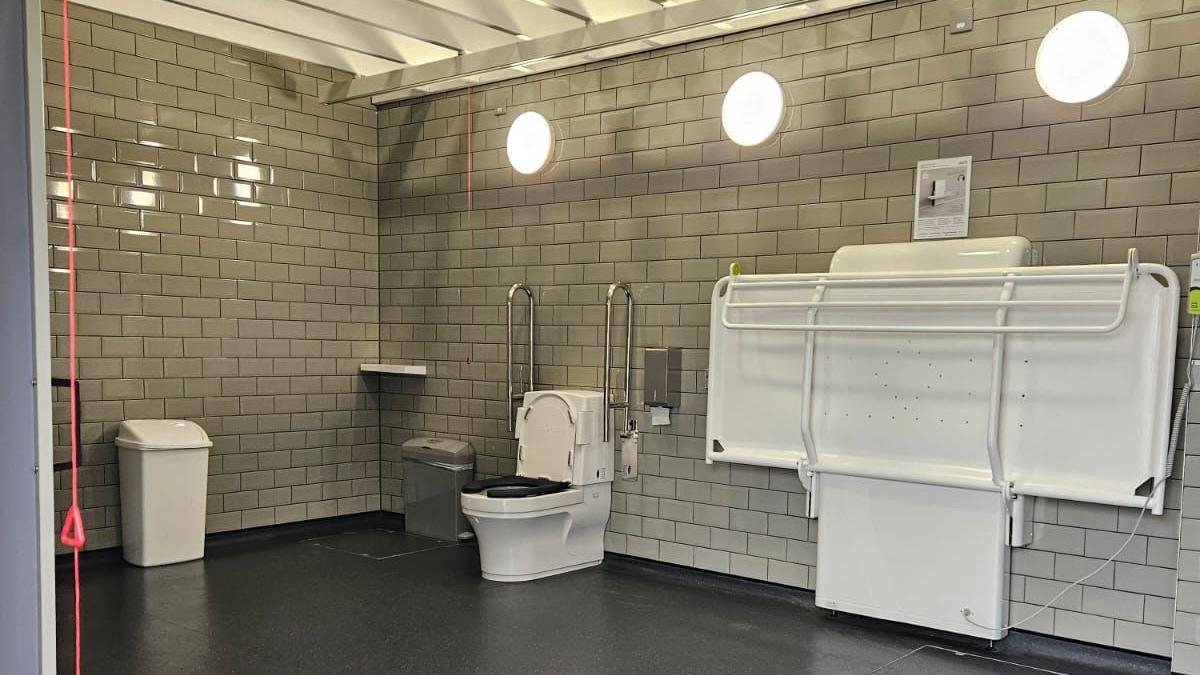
x: 810, y: 450
x: 996, y: 392
x: 810, y: 346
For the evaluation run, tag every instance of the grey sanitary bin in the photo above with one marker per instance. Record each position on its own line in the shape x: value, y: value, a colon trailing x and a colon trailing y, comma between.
x: 435, y: 471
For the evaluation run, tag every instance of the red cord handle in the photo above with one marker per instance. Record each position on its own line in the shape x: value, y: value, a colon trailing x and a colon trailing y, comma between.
x: 72, y: 531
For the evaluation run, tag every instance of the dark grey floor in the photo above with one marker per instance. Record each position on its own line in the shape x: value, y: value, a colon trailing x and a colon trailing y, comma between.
x: 356, y: 596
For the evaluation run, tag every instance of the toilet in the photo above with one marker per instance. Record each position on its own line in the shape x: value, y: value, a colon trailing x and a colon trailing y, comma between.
x: 550, y: 517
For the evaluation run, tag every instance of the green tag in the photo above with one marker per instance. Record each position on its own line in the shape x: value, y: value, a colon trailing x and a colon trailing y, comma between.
x: 1194, y: 301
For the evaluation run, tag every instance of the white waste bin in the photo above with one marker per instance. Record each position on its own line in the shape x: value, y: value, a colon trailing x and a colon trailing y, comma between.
x: 164, y: 484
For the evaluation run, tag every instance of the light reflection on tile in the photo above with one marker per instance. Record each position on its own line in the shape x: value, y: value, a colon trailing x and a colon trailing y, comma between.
x: 140, y: 198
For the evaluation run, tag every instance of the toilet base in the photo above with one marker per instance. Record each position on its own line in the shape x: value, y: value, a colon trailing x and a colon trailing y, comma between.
x: 538, y: 575
x: 524, y: 545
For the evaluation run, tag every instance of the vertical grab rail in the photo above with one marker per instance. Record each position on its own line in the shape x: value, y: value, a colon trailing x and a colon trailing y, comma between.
x: 510, y: 396
x: 608, y: 310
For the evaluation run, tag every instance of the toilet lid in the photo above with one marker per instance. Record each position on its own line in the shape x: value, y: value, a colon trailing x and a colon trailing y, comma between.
x: 547, y: 439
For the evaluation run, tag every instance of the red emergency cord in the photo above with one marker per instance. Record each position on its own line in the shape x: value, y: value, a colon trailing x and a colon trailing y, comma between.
x: 72, y: 531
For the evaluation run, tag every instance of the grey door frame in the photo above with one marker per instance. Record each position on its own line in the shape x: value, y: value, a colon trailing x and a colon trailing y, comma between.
x: 26, y: 450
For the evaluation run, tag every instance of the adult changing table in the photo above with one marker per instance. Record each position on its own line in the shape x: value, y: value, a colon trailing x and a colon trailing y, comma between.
x: 925, y: 392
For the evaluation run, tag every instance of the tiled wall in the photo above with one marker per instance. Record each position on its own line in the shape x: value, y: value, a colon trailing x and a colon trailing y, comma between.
x: 229, y: 257
x: 228, y: 267
x: 645, y: 189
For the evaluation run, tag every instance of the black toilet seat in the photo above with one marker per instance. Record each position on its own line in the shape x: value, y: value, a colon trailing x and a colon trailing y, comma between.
x: 507, y: 487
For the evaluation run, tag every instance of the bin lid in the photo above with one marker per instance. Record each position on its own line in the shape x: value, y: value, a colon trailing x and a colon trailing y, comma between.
x: 161, y: 435
x: 445, y: 450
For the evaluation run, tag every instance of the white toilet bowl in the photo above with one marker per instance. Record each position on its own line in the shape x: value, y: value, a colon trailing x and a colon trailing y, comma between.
x: 550, y: 517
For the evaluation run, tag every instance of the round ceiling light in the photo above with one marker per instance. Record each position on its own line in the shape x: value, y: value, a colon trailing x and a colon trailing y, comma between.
x: 753, y: 108
x: 530, y: 142
x: 1082, y: 57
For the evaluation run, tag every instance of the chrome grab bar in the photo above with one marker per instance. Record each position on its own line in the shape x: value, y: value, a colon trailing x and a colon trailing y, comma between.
x: 509, y: 393
x: 608, y: 310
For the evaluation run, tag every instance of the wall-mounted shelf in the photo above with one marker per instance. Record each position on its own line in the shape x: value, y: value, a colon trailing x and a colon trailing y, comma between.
x: 393, y: 369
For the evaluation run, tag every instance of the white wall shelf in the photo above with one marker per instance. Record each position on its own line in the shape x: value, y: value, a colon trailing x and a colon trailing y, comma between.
x: 393, y: 369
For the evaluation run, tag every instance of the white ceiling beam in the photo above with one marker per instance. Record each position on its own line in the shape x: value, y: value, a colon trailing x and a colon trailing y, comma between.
x: 325, y: 26
x: 420, y: 21
x: 241, y: 33
x: 671, y: 25
x: 599, y: 11
x: 517, y: 16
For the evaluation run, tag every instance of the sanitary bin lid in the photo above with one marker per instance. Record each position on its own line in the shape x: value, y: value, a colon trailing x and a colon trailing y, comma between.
x: 443, y: 450
x: 161, y: 435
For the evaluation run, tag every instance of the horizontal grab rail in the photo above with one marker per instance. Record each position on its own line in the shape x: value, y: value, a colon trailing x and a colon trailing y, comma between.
x: 883, y: 304
x: 838, y: 279
x: 1075, y: 272
x: 1006, y: 277
x: 953, y: 330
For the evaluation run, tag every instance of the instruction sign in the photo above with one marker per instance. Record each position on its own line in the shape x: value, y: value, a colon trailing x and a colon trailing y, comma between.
x: 943, y: 196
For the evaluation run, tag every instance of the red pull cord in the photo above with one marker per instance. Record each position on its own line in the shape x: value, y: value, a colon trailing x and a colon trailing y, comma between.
x: 72, y: 531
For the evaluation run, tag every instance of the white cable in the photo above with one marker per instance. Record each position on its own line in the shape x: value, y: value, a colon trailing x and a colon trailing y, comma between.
x: 1182, y: 406
x: 1172, y: 445
x: 966, y: 612
x: 1185, y: 393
